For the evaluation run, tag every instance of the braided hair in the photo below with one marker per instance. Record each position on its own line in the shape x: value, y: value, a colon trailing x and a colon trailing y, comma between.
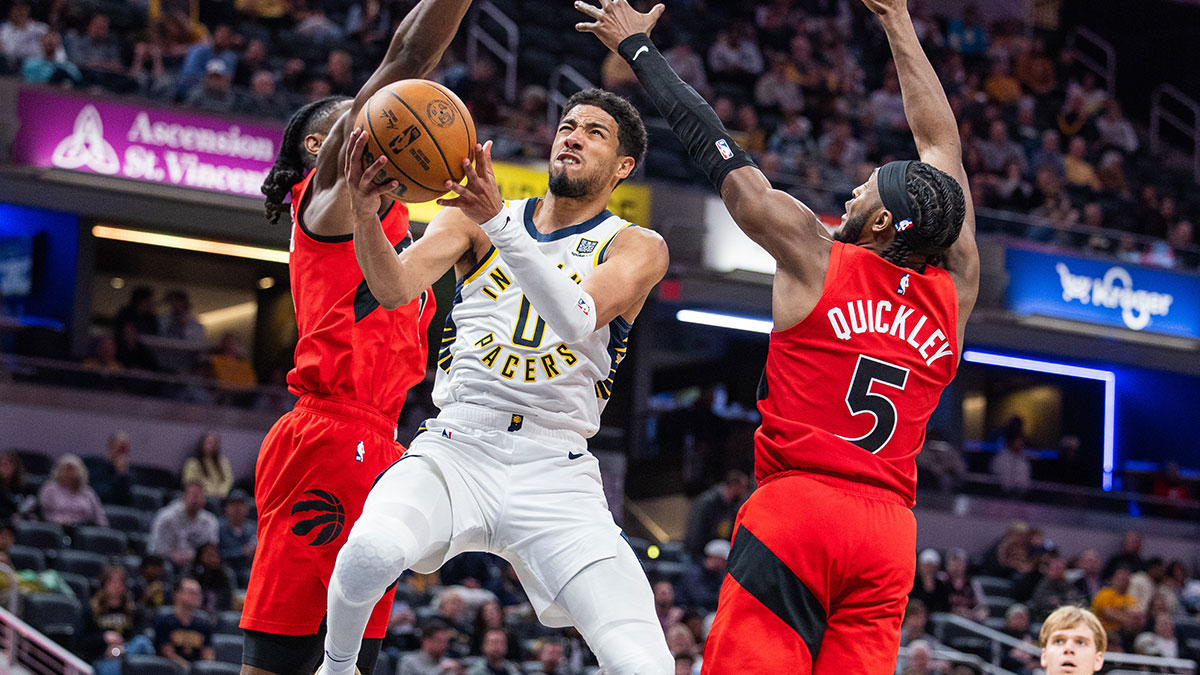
x: 938, y: 209
x: 292, y: 161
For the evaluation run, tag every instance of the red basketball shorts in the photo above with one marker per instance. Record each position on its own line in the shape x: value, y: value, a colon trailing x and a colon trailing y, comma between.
x: 314, y: 471
x: 819, y: 575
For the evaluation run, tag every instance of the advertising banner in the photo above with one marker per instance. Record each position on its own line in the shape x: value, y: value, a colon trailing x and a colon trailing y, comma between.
x: 1103, y: 292
x: 126, y: 139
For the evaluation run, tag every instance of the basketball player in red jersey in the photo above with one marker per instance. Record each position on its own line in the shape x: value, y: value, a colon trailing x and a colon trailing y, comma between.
x: 355, y: 362
x: 868, y: 328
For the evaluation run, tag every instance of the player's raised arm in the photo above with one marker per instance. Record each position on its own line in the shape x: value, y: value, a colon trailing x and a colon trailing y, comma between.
x: 936, y: 134
x: 396, y: 279
x: 775, y: 220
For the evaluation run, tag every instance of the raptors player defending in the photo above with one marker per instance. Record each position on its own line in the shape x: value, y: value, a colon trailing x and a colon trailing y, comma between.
x: 867, y: 334
x: 355, y: 361
x: 547, y: 291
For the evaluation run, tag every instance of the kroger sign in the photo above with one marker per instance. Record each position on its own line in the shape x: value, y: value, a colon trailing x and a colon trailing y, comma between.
x: 102, y: 136
x: 1115, y: 294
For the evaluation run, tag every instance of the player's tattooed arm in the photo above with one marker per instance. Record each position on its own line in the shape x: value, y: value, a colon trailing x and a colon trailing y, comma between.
x: 396, y: 279
x: 936, y: 134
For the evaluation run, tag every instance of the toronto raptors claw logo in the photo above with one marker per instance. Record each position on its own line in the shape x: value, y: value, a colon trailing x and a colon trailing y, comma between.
x: 325, y: 515
x: 86, y: 146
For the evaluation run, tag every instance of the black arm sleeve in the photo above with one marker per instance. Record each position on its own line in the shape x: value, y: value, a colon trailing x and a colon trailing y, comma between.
x: 690, y: 117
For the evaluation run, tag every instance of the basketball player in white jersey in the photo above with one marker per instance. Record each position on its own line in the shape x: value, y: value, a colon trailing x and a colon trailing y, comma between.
x: 548, y: 289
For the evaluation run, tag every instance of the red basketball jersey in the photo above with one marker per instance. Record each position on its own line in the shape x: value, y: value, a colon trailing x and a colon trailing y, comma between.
x: 350, y: 347
x: 848, y: 390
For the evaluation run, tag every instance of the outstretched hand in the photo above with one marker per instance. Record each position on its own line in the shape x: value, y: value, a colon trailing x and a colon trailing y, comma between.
x: 884, y: 7
x: 366, y: 196
x: 615, y: 20
x: 479, y: 199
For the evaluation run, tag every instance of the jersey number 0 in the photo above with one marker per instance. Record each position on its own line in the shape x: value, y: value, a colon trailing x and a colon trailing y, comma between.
x: 860, y: 399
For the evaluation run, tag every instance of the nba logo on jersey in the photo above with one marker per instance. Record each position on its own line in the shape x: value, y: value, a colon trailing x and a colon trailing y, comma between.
x: 723, y: 148
x: 585, y: 307
x: 359, y: 452
x: 903, y: 285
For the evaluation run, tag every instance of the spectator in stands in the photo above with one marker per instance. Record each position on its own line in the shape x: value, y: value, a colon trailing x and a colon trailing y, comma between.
x: 495, y: 651
x: 110, y: 624
x: 263, y: 100
x: 150, y: 586
x: 550, y: 658
x: 271, y: 12
x: 179, y: 323
x: 7, y: 538
x: 701, y: 584
x: 339, y: 70
x: 1079, y: 171
x: 999, y: 150
x: 232, y: 365
x: 689, y: 66
x: 431, y: 659
x: 1055, y: 590
x: 1172, y: 587
x: 401, y: 631
x: 103, y: 357
x: 1049, y: 155
x: 14, y: 493
x: 920, y: 661
x: 253, y: 59
x: 209, y: 467
x: 197, y: 64
x: 1035, y: 69
x: 966, y: 596
x: 1087, y: 573
x: 217, y: 582
x: 489, y: 615
x: 930, y: 588
x: 508, y: 590
x: 1114, y: 605
x: 680, y: 641
x: 1001, y: 86
x: 67, y: 499
x: 617, y: 76
x: 841, y: 152
x: 183, y: 526
x: 915, y: 624
x: 1010, y: 466
x: 1160, y: 641
x: 968, y: 35
x: 113, y: 480
x: 778, y: 89
x: 1144, y: 584
x: 140, y: 312
x: 148, y: 71
x: 51, y: 66
x: 684, y: 664
x: 1016, y: 625
x: 714, y: 512
x: 451, y: 609
x: 214, y: 93
x: 313, y: 24
x: 96, y: 52
x: 236, y: 534
x: 735, y: 55
x: 132, y: 352
x: 1181, y: 239
x: 1073, y: 117
x: 185, y: 634
x: 1129, y: 555
x: 21, y: 35
x: 664, y: 604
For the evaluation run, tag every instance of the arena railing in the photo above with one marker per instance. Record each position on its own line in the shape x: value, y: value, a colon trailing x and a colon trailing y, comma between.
x: 1000, y: 641
x: 478, y: 36
x: 1166, y: 105
x: 1080, y: 37
x: 24, y: 646
x: 555, y: 98
x: 1116, y: 501
x: 955, y: 657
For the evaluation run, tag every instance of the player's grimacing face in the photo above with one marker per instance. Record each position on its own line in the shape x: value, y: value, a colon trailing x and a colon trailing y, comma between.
x: 859, y: 210
x: 1071, y: 651
x: 584, y: 156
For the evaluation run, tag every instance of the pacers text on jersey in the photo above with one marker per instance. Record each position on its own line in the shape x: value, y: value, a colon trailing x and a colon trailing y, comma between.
x: 899, y: 321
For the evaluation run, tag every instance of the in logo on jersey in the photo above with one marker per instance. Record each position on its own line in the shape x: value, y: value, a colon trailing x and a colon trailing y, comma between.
x: 318, y: 520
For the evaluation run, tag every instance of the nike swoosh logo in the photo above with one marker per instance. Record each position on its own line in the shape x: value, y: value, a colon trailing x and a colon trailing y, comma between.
x: 639, y: 52
x: 577, y: 455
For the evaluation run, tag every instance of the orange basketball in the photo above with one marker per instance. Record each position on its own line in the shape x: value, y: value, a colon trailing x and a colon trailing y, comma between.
x: 425, y: 131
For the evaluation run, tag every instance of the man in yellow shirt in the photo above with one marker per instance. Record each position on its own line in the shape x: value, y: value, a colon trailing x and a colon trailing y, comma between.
x: 1114, y: 602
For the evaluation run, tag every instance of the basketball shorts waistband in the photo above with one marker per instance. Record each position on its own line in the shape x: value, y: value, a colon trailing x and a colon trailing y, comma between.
x: 518, y: 423
x: 349, y: 410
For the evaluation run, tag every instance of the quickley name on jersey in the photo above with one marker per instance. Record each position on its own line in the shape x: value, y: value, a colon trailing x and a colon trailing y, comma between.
x: 872, y: 316
x: 497, y: 352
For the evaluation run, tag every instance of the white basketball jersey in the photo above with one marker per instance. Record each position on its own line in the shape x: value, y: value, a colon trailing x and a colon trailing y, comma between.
x: 497, y: 352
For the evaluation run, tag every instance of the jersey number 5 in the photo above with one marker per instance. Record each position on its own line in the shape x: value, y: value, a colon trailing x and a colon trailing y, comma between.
x: 860, y: 399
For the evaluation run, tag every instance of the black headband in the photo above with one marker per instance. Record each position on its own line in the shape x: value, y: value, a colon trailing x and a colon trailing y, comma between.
x: 894, y: 194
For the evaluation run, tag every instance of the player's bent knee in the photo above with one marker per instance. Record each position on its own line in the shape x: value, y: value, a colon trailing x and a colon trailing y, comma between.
x: 368, y: 563
x: 643, y: 662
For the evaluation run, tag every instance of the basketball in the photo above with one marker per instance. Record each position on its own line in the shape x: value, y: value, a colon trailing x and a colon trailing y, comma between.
x: 425, y: 131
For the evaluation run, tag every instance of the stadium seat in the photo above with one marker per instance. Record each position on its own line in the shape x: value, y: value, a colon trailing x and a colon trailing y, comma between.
x: 147, y: 499
x: 27, y: 558
x: 228, y: 648
x: 38, y: 534
x: 957, y: 637
x: 126, y: 519
x: 223, y: 668
x: 155, y: 476
x: 995, y: 586
x: 997, y: 606
x: 54, y: 614
x: 227, y: 622
x: 80, y: 562
x: 147, y: 664
x: 138, y: 541
x: 34, y: 461
x: 80, y: 584
x: 102, y: 540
